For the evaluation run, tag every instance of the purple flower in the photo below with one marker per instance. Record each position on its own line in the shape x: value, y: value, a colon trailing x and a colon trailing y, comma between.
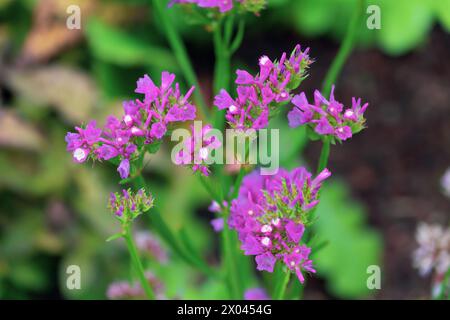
x: 270, y: 215
x: 106, y: 152
x: 125, y: 290
x: 323, y: 126
x: 256, y: 294
x: 294, y: 231
x: 343, y: 133
x: 158, y: 130
x: 214, y: 207
x: 149, y: 244
x: 146, y: 86
x: 265, y: 262
x: 301, y: 113
x: 222, y: 5
x: 328, y: 118
x: 258, y: 96
x: 124, y: 168
x: 252, y: 246
x: 243, y: 77
x: 223, y: 100
x: 217, y: 224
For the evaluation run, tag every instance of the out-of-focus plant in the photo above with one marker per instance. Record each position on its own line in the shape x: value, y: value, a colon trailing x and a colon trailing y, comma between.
x: 433, y: 257
x: 405, y: 24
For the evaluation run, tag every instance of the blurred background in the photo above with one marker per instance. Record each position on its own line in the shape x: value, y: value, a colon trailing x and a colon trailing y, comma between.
x: 387, y: 178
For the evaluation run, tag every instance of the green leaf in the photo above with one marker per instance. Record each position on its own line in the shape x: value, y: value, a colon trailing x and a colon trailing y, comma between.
x: 404, y: 24
x: 153, y: 147
x: 114, y: 237
x: 352, y: 245
x: 115, y: 46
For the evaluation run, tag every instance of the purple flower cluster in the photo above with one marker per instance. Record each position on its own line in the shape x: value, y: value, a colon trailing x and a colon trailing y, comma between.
x: 224, y: 5
x: 258, y: 96
x: 328, y: 118
x: 197, y: 150
x: 124, y: 290
x: 270, y: 215
x: 128, y: 205
x: 143, y: 122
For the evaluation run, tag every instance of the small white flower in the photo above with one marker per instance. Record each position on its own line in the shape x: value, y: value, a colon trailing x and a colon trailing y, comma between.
x: 266, y: 228
x: 127, y: 119
x: 349, y: 113
x: 232, y: 108
x: 79, y: 154
x: 264, y: 60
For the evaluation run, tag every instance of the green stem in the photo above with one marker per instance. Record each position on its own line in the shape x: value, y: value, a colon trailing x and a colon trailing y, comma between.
x: 324, y: 154
x: 221, y: 71
x: 136, y: 261
x: 229, y: 257
x: 280, y: 289
x: 336, y: 68
x: 180, y: 52
x: 228, y: 248
x: 345, y: 49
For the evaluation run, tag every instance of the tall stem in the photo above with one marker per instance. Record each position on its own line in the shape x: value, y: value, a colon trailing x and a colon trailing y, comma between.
x: 221, y: 71
x: 280, y: 289
x: 180, y: 52
x: 324, y: 155
x: 229, y: 257
x: 136, y: 261
x: 336, y: 68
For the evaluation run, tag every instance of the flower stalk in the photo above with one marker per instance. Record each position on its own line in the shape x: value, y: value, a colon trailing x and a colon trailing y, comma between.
x: 180, y: 52
x: 136, y: 261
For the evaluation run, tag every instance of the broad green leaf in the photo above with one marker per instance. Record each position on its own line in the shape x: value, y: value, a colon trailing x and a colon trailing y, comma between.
x: 115, y: 46
x: 352, y: 245
x: 404, y: 24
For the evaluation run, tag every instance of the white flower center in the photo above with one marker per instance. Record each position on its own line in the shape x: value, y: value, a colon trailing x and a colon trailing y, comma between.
x: 128, y: 119
x: 250, y: 212
x: 232, y: 108
x: 266, y: 228
x: 79, y: 154
x: 349, y: 113
x: 265, y: 241
x: 276, y: 221
x: 263, y: 60
x: 292, y: 263
x: 203, y: 153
